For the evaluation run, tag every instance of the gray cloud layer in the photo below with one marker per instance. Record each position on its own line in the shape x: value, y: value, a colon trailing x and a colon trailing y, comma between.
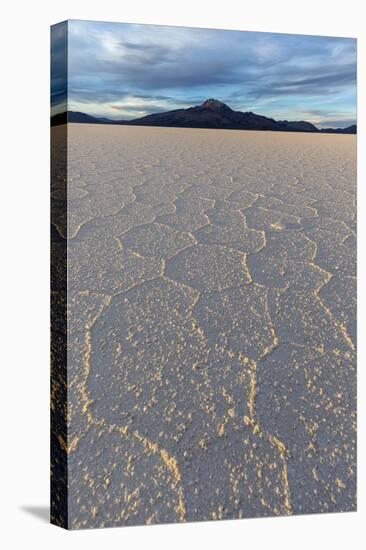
x: 123, y: 68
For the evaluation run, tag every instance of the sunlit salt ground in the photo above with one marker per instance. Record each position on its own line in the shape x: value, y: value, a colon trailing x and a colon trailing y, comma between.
x: 211, y: 324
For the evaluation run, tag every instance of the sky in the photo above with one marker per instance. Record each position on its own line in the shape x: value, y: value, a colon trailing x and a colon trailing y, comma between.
x: 126, y: 71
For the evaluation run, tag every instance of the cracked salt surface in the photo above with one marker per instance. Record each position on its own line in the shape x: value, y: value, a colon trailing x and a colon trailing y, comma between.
x: 211, y: 310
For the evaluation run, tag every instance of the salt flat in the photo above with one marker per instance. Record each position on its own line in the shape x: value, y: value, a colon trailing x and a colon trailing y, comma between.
x: 211, y: 304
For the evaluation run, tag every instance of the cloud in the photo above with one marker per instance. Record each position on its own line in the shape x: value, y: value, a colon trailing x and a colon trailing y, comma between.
x: 111, y: 65
x: 59, y: 68
x: 341, y: 123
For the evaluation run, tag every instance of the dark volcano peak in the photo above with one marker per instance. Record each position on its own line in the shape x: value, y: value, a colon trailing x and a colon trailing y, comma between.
x: 215, y: 105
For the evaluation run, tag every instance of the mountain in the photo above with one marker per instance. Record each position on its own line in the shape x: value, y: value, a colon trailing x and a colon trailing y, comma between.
x: 210, y: 114
x: 60, y: 118
x: 81, y: 118
x: 349, y: 130
x: 299, y: 126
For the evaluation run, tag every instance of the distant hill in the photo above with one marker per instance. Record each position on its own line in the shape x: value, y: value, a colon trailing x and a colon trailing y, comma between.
x: 210, y: 114
x: 349, y: 130
x: 81, y: 118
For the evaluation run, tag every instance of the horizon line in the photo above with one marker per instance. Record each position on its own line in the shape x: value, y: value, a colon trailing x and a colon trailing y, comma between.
x: 125, y: 120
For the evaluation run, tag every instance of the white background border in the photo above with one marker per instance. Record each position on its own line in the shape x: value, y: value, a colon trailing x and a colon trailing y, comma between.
x: 24, y: 218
